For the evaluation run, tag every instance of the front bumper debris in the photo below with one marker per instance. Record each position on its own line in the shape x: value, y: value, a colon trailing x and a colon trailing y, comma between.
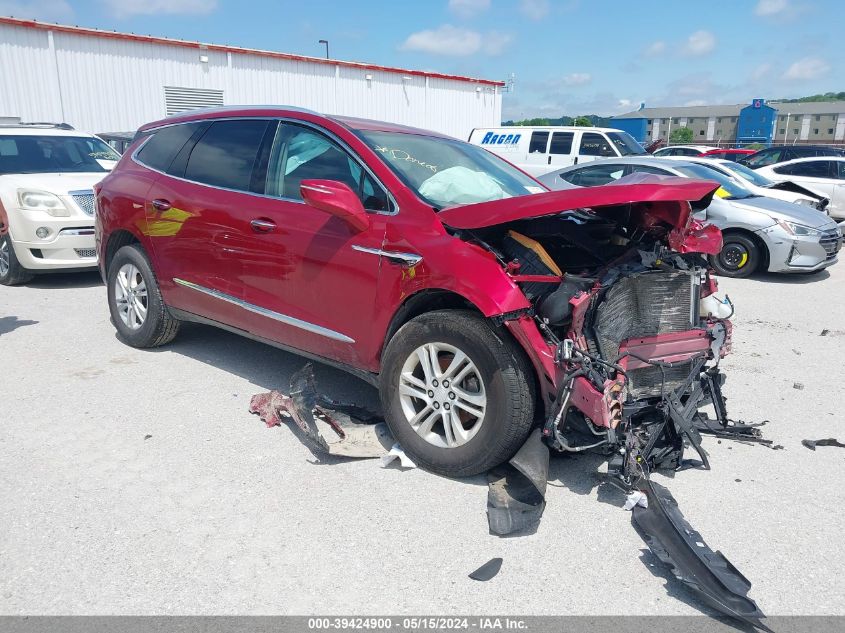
x: 674, y: 541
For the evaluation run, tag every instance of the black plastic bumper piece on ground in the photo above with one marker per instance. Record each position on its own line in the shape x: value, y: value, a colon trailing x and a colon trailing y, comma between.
x: 709, y: 574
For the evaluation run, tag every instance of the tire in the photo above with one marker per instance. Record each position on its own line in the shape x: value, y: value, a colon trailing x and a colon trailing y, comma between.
x: 11, y: 271
x: 130, y: 269
x: 500, y: 376
x: 740, y: 257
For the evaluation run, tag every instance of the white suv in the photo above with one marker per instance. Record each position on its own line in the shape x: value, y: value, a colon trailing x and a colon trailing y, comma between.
x: 46, y: 199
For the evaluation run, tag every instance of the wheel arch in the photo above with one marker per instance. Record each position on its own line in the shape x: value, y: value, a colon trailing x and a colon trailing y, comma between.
x: 117, y: 240
x: 758, y: 241
x: 432, y: 299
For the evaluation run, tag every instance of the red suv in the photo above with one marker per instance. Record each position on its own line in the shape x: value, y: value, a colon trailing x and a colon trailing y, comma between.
x: 424, y: 265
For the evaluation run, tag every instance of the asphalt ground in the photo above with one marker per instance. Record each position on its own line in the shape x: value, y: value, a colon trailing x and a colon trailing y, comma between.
x: 136, y: 482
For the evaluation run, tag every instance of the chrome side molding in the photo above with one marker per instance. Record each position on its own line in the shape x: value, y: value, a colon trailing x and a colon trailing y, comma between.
x: 408, y: 260
x: 282, y: 318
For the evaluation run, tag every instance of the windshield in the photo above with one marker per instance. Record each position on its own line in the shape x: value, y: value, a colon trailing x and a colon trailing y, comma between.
x: 29, y: 154
x: 750, y: 175
x: 729, y: 188
x: 626, y: 144
x: 447, y: 173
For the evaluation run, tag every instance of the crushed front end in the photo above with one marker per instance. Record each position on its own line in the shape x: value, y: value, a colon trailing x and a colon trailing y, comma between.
x: 626, y: 331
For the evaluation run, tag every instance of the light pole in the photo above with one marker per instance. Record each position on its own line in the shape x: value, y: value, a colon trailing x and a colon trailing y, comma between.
x: 326, y: 42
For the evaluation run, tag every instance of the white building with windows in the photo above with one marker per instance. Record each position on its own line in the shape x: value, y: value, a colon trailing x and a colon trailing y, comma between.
x: 104, y: 81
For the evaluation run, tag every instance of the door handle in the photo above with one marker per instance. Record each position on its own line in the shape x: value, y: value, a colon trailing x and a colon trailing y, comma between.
x: 260, y: 225
x: 160, y: 204
x: 575, y: 161
x: 550, y: 159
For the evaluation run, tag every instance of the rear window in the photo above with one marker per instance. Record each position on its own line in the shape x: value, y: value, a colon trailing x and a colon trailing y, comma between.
x: 810, y: 169
x: 159, y: 151
x: 35, y: 154
x: 226, y: 153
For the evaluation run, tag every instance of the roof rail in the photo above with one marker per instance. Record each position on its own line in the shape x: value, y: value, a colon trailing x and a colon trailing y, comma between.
x: 59, y: 126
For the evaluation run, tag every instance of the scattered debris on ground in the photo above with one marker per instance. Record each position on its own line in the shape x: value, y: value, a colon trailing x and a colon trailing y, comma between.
x: 811, y: 444
x: 798, y: 385
x: 147, y: 437
x: 516, y: 491
x: 488, y: 570
x: 825, y: 332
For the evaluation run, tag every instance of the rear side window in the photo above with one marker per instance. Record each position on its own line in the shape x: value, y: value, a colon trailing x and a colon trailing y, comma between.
x: 226, y: 154
x: 561, y: 143
x: 159, y: 151
x: 593, y: 144
x: 539, y: 140
x: 810, y: 169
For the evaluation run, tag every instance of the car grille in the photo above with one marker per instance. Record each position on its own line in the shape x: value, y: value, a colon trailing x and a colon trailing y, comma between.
x: 86, y: 252
x: 85, y: 201
x: 646, y: 305
x: 831, y: 241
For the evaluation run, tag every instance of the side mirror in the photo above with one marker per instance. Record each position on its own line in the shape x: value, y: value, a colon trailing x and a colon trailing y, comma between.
x: 336, y: 198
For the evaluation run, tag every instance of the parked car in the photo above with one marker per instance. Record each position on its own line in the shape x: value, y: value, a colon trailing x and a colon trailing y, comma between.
x: 824, y: 174
x: 535, y: 150
x: 731, y: 154
x: 417, y: 262
x: 759, y: 184
x: 46, y: 199
x: 783, y: 153
x: 683, y: 150
x: 759, y: 232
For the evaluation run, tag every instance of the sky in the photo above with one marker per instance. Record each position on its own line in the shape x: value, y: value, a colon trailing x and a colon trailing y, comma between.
x: 566, y: 57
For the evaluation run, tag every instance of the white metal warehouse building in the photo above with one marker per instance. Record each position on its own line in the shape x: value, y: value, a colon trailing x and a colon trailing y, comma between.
x: 103, y: 81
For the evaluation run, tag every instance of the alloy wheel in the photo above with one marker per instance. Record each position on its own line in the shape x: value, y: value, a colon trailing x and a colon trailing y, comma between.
x: 442, y: 395
x: 734, y: 256
x: 4, y: 256
x: 130, y: 294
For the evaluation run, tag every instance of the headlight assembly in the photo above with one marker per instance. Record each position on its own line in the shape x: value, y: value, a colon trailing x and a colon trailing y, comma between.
x: 798, y: 229
x: 34, y: 200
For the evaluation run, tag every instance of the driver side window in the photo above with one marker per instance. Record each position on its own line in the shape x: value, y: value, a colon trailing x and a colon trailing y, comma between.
x: 300, y: 153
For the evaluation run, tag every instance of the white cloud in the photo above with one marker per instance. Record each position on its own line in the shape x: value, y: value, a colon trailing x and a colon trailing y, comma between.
x: 771, y: 7
x: 700, y: 43
x: 696, y: 102
x: 456, y: 41
x: 807, y: 68
x: 468, y: 8
x: 535, y: 9
x: 577, y: 79
x: 761, y: 71
x: 48, y: 10
x: 128, y: 8
x: 655, y: 48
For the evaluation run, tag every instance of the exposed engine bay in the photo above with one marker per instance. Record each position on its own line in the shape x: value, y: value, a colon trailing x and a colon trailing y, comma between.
x: 637, y: 329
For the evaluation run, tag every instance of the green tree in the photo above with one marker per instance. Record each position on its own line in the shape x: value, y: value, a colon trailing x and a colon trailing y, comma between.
x: 681, y: 135
x: 582, y: 121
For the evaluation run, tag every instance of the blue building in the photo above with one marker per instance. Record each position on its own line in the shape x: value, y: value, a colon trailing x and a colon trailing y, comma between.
x: 756, y: 123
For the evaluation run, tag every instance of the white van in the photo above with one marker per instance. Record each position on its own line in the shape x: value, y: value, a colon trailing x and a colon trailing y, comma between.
x: 538, y: 150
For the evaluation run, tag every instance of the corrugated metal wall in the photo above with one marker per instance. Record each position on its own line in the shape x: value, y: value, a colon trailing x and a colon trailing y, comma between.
x: 103, y: 85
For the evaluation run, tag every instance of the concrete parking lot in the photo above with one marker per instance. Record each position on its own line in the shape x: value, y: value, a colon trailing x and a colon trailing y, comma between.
x: 136, y: 482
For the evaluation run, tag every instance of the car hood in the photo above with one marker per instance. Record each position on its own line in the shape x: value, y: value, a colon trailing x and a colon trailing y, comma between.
x: 59, y: 184
x: 798, y: 189
x: 782, y: 210
x: 637, y: 188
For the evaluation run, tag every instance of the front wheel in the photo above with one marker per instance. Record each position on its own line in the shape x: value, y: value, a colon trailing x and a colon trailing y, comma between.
x: 740, y: 256
x: 11, y: 271
x: 457, y: 394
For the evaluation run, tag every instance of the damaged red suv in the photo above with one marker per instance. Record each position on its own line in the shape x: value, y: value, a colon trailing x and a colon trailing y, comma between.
x: 480, y: 304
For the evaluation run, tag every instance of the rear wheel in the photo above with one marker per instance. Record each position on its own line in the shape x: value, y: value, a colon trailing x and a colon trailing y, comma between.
x: 137, y: 308
x: 11, y: 271
x: 457, y: 394
x: 740, y: 256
